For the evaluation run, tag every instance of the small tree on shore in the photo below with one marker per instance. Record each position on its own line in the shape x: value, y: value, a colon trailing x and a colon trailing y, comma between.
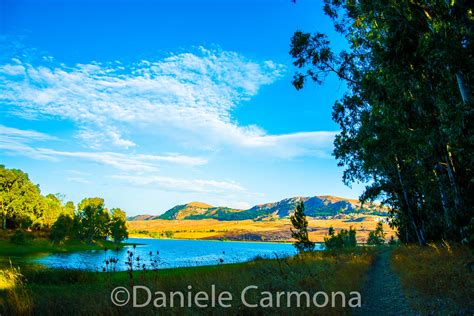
x: 62, y: 229
x: 345, y: 239
x: 377, y: 237
x: 300, y: 233
x: 118, y: 225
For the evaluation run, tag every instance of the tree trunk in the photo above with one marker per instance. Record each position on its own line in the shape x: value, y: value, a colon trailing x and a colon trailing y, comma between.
x: 452, y: 180
x: 463, y: 89
x: 4, y: 225
x: 444, y: 203
x: 419, y: 232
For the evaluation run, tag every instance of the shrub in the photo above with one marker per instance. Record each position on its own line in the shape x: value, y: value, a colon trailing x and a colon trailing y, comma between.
x: 392, y: 241
x: 377, y: 237
x: 343, y: 240
x: 20, y: 237
x: 61, y: 229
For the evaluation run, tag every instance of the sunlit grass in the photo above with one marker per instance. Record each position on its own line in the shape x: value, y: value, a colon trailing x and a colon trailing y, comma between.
x: 80, y: 292
x: 9, y: 278
x: 15, y: 297
x: 437, y: 277
x: 277, y: 230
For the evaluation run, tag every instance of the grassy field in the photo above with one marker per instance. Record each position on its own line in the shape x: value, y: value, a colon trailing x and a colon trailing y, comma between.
x: 438, y: 279
x: 72, y: 292
x: 278, y: 230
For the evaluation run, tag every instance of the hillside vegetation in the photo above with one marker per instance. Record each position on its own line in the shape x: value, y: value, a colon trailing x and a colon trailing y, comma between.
x: 316, y: 206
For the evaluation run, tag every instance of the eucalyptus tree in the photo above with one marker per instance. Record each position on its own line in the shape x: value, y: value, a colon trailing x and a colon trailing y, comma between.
x: 406, y: 118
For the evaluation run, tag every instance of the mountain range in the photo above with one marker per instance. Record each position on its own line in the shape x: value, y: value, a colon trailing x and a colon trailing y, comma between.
x: 316, y: 206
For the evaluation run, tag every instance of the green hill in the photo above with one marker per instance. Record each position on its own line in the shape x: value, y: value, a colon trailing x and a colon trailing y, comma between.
x: 315, y: 206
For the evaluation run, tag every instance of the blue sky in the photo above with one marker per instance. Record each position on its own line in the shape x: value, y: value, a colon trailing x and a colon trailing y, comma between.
x: 150, y: 104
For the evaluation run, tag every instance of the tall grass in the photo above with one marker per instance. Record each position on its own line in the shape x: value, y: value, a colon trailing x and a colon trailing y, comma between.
x: 88, y: 293
x: 437, y: 278
x: 15, y: 298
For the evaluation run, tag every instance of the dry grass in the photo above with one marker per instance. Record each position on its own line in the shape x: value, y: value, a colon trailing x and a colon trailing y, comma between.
x: 278, y: 230
x: 437, y: 277
x: 88, y: 293
x: 15, y: 298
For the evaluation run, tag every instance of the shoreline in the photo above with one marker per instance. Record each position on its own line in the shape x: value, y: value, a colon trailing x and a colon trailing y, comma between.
x: 219, y: 240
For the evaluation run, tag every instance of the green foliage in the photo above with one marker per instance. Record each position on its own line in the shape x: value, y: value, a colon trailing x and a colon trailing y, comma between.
x: 22, y: 206
x: 377, y: 237
x: 93, y: 219
x: 392, y: 241
x: 300, y: 233
x: 20, y: 200
x: 169, y: 234
x: 345, y: 239
x: 118, y: 225
x: 62, y: 228
x: 406, y: 121
x: 20, y: 237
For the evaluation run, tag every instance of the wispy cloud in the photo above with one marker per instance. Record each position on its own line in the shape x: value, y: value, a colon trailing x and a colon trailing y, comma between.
x: 19, y: 142
x: 188, y: 97
x: 182, y: 185
x: 21, y: 134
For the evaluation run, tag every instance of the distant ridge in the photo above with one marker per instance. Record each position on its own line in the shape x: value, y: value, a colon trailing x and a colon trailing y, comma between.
x: 316, y: 206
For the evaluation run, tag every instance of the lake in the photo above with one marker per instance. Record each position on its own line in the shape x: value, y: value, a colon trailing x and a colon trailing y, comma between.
x: 172, y: 254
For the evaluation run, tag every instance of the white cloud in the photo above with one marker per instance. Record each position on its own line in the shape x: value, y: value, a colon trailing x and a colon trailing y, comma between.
x: 15, y: 140
x: 188, y: 97
x: 182, y: 185
x: 21, y: 134
x: 18, y: 142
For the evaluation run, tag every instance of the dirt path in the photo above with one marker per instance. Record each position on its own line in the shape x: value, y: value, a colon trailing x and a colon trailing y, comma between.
x: 382, y: 293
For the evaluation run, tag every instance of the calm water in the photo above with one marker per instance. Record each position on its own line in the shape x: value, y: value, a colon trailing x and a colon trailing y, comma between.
x: 172, y: 253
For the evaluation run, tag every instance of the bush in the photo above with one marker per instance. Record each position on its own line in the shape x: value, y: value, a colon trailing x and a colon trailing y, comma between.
x: 377, y: 237
x: 20, y: 237
x: 61, y: 229
x: 393, y: 241
x: 343, y: 240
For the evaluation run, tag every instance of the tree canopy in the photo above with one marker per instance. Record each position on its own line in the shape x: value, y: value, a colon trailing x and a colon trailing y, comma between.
x: 406, y: 118
x: 22, y: 206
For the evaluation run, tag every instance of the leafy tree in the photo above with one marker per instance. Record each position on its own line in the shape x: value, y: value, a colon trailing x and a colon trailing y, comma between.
x: 51, y: 208
x: 118, y: 225
x: 69, y: 208
x: 406, y: 119
x: 377, y: 237
x: 62, y: 228
x: 19, y: 198
x: 300, y: 232
x: 345, y: 239
x: 93, y: 219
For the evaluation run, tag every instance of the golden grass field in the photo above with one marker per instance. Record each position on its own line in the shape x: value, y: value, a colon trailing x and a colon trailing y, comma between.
x: 277, y: 230
x: 437, y: 278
